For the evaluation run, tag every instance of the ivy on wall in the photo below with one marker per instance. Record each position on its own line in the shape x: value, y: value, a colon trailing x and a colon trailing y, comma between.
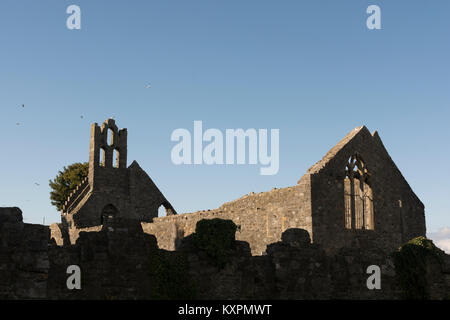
x: 171, y: 280
x: 411, y: 266
x: 215, y: 237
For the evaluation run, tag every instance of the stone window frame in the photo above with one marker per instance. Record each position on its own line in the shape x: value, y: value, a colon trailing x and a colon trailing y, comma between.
x: 358, y: 195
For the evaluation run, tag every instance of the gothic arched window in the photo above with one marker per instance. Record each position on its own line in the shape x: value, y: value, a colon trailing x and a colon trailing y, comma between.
x: 358, y: 195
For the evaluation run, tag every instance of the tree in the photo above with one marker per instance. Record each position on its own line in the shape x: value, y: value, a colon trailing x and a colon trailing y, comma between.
x: 66, y: 181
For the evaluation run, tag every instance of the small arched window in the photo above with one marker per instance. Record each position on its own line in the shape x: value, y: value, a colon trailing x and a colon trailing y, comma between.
x: 110, y: 137
x: 161, y: 211
x: 102, y: 157
x: 358, y: 195
x: 109, y: 212
x: 116, y: 158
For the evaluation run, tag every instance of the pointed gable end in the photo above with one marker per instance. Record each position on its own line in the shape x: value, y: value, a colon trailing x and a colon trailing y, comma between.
x: 358, y: 191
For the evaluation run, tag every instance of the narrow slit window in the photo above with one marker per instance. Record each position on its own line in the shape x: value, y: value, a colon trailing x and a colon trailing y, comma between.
x: 116, y: 155
x: 110, y: 137
x: 102, y: 157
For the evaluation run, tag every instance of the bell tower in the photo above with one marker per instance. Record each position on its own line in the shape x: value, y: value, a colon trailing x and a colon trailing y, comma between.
x: 112, y: 191
x: 108, y: 148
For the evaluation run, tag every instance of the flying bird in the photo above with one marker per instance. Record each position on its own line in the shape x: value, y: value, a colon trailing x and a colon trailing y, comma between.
x: 37, y: 184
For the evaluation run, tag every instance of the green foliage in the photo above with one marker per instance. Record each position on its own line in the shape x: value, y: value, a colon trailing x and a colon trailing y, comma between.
x: 66, y: 181
x: 411, y: 266
x: 171, y: 280
x: 215, y: 237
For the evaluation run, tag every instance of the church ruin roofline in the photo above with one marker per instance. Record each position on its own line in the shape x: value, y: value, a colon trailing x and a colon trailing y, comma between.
x: 318, y: 203
x: 359, y: 139
x: 373, y: 137
x: 377, y: 139
x: 110, y: 181
x: 318, y: 166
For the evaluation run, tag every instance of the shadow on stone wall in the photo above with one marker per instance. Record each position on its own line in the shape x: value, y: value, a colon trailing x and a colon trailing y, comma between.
x: 123, y: 262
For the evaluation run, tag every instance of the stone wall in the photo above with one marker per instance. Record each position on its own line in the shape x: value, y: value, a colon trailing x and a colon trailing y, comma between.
x: 122, y: 262
x: 398, y: 213
x: 115, y: 263
x: 261, y: 218
x: 130, y: 191
x: 317, y: 205
x: 23, y: 257
x: 112, y: 186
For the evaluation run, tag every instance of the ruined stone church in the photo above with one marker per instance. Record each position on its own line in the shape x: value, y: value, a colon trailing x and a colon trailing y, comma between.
x: 355, y: 196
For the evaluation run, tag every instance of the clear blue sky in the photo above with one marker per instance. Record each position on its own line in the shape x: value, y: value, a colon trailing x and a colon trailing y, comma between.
x: 309, y: 68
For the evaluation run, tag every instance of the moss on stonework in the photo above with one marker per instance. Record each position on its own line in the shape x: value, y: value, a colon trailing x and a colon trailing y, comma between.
x: 171, y: 279
x: 215, y: 237
x: 411, y: 266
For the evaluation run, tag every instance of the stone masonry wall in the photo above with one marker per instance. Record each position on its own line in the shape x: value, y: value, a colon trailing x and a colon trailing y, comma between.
x: 398, y: 213
x: 123, y: 262
x: 23, y: 257
x: 317, y: 205
x: 261, y: 218
x: 130, y: 190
